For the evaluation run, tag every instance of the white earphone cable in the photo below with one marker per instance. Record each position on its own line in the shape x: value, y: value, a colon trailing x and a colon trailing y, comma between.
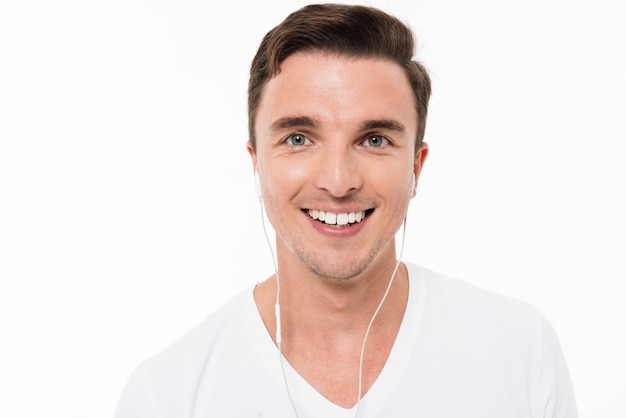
x: 369, y: 327
x: 278, y: 316
x: 277, y: 310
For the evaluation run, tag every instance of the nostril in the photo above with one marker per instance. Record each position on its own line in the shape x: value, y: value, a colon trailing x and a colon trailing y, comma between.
x: 339, y: 184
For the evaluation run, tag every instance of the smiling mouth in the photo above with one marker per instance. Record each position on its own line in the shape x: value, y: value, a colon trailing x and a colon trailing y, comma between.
x: 339, y: 219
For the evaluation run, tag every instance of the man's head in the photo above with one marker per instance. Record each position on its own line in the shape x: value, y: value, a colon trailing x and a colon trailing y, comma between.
x: 337, y: 111
x: 354, y: 31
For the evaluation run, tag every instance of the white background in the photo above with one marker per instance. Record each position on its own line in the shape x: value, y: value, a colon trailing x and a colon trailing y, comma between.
x: 127, y: 205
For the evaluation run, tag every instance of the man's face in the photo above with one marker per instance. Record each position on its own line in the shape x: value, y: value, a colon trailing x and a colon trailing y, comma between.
x: 336, y: 140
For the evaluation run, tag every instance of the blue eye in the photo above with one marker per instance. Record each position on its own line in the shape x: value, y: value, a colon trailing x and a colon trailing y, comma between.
x: 376, y: 141
x: 297, y: 140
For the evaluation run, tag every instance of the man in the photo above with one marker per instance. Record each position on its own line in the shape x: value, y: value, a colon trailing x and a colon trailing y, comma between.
x: 337, y: 112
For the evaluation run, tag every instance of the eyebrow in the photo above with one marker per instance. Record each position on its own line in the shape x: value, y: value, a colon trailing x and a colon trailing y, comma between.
x: 387, y: 124
x: 307, y: 122
x: 293, y: 122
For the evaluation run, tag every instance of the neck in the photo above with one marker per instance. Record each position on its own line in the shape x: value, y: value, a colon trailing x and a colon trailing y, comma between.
x: 316, y: 306
x: 339, y: 305
x: 324, y: 324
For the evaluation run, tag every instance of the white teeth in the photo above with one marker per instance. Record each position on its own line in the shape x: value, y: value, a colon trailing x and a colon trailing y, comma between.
x: 337, y: 218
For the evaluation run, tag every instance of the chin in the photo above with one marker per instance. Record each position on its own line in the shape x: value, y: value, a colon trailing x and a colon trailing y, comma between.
x: 337, y: 265
x: 339, y: 271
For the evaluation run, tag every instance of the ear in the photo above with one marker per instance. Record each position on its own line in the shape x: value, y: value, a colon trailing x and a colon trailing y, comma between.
x: 252, y: 155
x: 418, y: 163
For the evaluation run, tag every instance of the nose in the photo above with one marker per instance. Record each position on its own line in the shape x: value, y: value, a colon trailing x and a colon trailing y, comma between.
x: 338, y: 171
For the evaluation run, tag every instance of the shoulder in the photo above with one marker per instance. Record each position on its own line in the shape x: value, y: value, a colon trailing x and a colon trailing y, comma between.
x: 168, y: 380
x: 454, y: 297
x: 196, y: 343
x: 489, y: 334
x: 460, y: 313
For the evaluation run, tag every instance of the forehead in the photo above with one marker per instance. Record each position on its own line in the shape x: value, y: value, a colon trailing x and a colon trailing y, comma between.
x: 337, y: 90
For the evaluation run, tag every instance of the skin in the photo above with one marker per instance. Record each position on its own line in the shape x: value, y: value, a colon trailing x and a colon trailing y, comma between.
x: 336, y: 134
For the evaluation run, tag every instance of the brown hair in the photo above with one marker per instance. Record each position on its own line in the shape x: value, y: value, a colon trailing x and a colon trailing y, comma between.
x: 356, y: 31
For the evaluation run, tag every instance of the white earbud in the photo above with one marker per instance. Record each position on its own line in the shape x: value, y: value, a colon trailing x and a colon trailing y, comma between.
x: 413, y: 185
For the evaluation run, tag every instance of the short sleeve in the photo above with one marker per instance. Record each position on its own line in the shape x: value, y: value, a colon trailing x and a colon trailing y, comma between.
x: 557, y: 394
x: 138, y: 399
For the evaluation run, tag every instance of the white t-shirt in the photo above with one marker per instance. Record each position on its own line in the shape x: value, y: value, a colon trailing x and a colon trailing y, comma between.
x: 461, y: 352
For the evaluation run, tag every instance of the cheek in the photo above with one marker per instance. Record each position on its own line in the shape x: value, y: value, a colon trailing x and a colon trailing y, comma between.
x: 282, y: 180
x: 280, y: 186
x: 393, y: 179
